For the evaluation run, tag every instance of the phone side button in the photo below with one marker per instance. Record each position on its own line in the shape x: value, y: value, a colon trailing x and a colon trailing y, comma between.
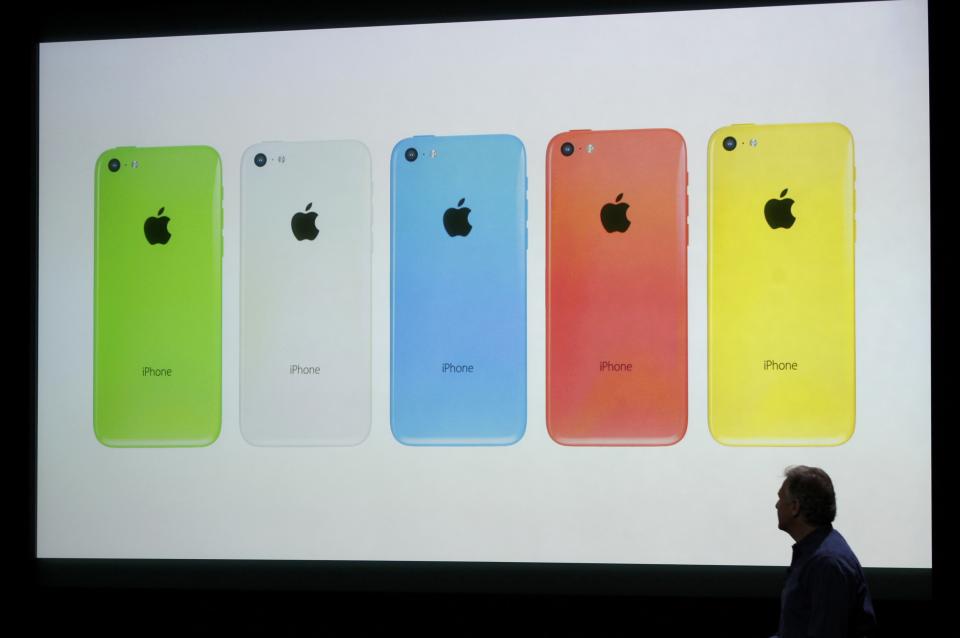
x: 687, y: 231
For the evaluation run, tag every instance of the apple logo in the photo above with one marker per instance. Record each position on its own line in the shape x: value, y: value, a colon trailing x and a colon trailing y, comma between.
x: 613, y: 216
x: 777, y: 212
x: 304, y: 225
x: 155, y: 228
x: 455, y: 220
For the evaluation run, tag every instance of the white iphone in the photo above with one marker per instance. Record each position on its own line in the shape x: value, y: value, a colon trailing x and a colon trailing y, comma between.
x: 305, y: 269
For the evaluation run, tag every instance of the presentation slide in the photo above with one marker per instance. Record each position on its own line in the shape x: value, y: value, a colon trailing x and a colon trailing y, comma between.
x: 551, y: 290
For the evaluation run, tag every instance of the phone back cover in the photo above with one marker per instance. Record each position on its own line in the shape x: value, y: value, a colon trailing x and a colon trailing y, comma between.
x: 458, y: 303
x: 305, y: 303
x: 617, y: 288
x: 781, y: 299
x: 156, y: 336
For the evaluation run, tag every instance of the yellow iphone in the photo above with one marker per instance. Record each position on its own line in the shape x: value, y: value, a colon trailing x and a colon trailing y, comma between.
x: 780, y: 285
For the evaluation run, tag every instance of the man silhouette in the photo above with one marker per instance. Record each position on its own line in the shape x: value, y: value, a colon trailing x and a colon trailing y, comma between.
x: 825, y: 594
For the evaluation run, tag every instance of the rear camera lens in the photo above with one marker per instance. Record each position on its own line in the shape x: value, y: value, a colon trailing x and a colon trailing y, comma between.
x: 729, y: 143
x: 411, y: 154
x: 566, y: 149
x: 114, y: 165
x: 260, y: 159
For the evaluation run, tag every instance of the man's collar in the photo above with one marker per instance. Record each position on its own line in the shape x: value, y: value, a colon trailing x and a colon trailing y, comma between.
x: 813, y: 539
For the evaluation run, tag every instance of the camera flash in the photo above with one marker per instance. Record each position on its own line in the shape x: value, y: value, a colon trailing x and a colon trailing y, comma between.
x: 135, y: 164
x: 590, y: 148
x: 753, y: 142
x: 281, y: 158
x: 433, y: 153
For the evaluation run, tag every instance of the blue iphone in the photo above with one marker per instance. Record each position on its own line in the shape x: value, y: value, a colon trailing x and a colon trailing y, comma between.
x: 458, y: 344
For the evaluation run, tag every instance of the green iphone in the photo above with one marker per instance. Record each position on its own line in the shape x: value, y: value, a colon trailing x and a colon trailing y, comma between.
x: 157, y: 281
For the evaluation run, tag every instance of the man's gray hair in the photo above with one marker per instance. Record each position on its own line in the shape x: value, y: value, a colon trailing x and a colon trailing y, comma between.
x: 813, y: 489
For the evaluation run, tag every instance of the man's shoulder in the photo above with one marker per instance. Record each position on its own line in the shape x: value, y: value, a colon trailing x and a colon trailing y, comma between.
x: 835, y: 544
x: 834, y: 553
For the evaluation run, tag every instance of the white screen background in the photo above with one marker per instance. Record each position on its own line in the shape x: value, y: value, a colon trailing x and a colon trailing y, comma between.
x: 864, y: 65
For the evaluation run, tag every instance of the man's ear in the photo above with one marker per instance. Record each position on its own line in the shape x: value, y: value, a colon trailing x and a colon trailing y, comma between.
x: 794, y: 508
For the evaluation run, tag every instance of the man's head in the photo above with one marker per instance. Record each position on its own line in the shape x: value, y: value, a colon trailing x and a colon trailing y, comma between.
x: 806, y: 500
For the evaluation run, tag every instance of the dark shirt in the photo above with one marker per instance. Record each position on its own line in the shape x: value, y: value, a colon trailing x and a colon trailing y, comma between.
x: 825, y: 594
